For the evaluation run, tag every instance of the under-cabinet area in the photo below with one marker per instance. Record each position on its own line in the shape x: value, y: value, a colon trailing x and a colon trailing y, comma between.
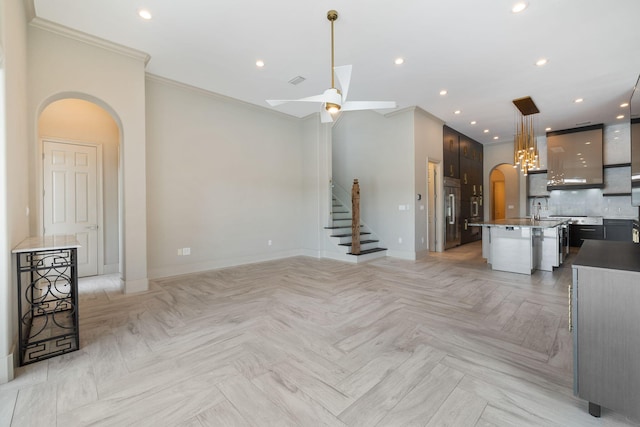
x: 605, y: 318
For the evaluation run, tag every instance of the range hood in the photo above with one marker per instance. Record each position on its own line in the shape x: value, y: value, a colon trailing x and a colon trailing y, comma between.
x: 574, y: 158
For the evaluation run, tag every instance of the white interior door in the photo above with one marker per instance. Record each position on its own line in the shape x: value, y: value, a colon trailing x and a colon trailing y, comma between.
x: 70, y: 198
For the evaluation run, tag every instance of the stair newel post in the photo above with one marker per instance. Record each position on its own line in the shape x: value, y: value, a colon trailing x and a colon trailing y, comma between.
x: 355, y: 219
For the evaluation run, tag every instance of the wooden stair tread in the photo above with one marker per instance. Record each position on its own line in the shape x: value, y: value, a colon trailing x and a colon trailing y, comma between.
x: 362, y: 242
x: 336, y: 227
x: 347, y: 235
x: 368, y: 251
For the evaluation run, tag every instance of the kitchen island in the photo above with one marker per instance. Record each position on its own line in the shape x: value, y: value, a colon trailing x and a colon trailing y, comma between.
x: 523, y: 245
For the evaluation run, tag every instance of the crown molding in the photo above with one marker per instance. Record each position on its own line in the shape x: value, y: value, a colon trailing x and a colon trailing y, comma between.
x: 170, y: 82
x: 30, y: 10
x: 61, y: 30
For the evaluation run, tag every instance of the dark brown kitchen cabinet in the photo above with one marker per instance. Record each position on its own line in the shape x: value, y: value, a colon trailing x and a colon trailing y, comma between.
x: 463, y: 159
x: 450, y: 147
x: 619, y: 230
x: 581, y: 232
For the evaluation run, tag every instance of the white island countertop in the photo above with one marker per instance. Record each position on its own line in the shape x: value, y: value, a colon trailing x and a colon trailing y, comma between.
x: 43, y: 243
x: 521, y: 222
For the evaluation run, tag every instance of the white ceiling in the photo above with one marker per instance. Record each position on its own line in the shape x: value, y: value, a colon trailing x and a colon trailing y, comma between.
x: 479, y: 51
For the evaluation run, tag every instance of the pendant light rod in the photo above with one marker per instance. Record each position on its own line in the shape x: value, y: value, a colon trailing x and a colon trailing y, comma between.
x: 332, y: 15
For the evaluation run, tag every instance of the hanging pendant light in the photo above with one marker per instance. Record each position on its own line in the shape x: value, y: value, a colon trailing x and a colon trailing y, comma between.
x: 525, y: 148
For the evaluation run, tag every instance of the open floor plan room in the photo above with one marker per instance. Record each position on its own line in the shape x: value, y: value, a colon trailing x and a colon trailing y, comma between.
x: 308, y: 342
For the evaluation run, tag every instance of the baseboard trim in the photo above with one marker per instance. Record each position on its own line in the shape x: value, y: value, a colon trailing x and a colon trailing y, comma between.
x: 402, y: 254
x: 6, y: 367
x: 135, y: 286
x: 179, y: 270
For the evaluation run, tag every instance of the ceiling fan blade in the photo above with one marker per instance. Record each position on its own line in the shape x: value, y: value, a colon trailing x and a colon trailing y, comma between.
x: 367, y: 105
x: 325, y: 116
x: 315, y: 98
x: 343, y: 73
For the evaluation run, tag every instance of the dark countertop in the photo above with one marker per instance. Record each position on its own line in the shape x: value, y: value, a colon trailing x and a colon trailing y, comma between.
x: 608, y: 254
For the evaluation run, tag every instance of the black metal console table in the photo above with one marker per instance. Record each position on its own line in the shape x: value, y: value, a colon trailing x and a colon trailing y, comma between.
x: 47, y: 297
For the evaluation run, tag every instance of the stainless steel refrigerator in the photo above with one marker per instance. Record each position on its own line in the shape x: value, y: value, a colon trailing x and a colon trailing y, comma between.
x: 453, y: 228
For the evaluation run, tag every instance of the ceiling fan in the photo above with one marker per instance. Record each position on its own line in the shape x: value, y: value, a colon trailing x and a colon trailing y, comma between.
x: 334, y: 100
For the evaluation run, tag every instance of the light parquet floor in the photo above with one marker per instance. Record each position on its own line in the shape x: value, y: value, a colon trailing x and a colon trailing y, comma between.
x: 307, y: 342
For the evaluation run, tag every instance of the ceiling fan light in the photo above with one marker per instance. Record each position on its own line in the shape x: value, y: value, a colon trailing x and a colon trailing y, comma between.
x: 332, y: 108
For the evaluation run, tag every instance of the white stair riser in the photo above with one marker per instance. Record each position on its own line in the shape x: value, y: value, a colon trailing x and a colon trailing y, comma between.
x: 342, y: 222
x: 348, y: 238
x: 341, y: 216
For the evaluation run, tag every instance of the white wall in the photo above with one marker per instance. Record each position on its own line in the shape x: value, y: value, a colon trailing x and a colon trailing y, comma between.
x: 223, y: 178
x: 81, y: 121
x: 62, y: 66
x: 379, y: 151
x: 428, y: 147
x: 316, y: 187
x: 14, y: 177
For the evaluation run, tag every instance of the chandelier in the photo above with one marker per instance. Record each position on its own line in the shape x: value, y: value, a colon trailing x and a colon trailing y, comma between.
x: 525, y: 147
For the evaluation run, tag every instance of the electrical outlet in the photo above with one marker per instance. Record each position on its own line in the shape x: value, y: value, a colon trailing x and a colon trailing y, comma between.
x: 180, y: 252
x: 399, y: 239
x: 269, y: 242
x: 186, y: 251
x: 422, y: 239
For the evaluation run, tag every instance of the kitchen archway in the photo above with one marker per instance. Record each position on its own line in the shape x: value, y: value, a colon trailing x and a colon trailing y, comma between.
x: 504, y: 192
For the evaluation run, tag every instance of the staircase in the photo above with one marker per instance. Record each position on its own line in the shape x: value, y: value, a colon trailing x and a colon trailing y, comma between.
x: 340, y: 233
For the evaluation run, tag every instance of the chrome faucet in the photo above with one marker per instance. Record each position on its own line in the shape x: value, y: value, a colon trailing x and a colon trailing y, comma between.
x: 535, y: 209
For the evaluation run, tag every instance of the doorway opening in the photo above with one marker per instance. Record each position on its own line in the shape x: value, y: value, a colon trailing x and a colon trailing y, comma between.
x: 80, y: 145
x: 504, y: 187
x: 433, y: 184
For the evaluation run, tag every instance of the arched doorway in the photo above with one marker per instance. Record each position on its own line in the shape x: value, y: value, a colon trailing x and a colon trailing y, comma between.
x: 80, y: 145
x: 504, y: 184
x: 497, y: 207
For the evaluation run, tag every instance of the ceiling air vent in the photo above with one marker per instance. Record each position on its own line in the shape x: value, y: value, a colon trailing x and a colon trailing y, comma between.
x: 297, y: 80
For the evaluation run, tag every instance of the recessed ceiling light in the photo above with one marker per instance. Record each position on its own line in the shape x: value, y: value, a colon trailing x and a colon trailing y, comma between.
x: 496, y: 137
x: 624, y: 104
x: 457, y: 112
x: 443, y: 92
x: 578, y: 100
x: 620, y: 117
x: 519, y: 7
x: 473, y: 122
x: 547, y: 129
x: 542, y: 61
x: 486, y: 131
x: 259, y: 63
x: 616, y: 131
x: 399, y: 61
x: 144, y: 14
x: 587, y: 143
